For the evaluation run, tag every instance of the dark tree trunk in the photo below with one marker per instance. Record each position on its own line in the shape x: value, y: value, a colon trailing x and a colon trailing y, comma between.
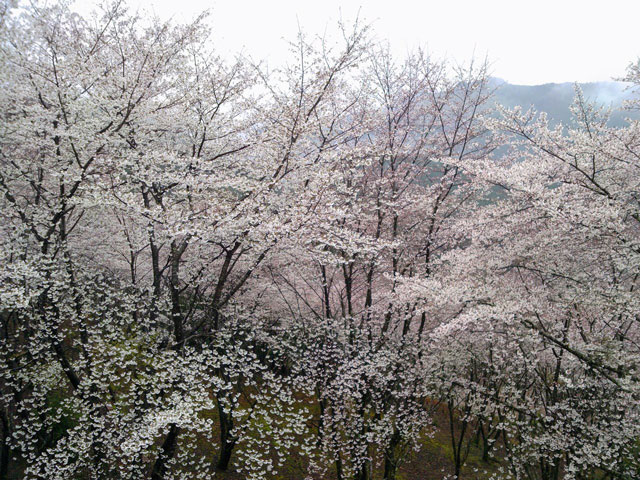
x: 390, y: 469
x: 364, y: 472
x: 5, y: 451
x: 339, y: 475
x: 391, y: 457
x: 225, y: 456
x: 166, y: 453
x: 459, y: 456
x: 227, y: 441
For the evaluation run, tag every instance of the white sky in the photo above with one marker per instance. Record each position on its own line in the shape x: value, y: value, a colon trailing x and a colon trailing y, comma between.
x: 527, y: 42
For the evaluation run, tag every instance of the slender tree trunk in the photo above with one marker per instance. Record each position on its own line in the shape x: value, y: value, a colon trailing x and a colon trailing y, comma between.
x: 390, y: 469
x: 5, y: 451
x: 485, y: 442
x: 171, y: 441
x: 364, y: 472
x: 166, y: 453
x: 456, y: 444
x: 227, y: 441
x: 339, y: 474
x: 391, y: 457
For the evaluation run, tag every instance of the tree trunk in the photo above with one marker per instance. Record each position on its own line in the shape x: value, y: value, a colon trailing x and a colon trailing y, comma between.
x: 166, y: 453
x: 339, y: 475
x: 5, y: 452
x: 390, y: 469
x: 391, y: 457
x: 364, y: 473
x: 227, y: 441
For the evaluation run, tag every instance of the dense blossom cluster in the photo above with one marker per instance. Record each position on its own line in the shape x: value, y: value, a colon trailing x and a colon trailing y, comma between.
x: 208, y: 265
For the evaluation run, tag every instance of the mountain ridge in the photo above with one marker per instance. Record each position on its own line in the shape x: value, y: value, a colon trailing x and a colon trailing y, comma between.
x: 556, y: 98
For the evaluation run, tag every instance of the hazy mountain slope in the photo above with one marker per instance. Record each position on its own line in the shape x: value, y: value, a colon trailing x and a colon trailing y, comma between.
x: 555, y: 98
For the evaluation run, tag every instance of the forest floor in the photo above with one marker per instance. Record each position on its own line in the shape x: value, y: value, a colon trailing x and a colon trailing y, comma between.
x: 433, y: 461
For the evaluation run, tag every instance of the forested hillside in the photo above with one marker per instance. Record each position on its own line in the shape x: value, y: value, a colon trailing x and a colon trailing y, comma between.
x: 353, y: 266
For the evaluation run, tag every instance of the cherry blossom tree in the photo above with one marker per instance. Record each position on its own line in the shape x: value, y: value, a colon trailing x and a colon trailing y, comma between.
x: 144, y: 182
x: 550, y: 272
x: 368, y: 369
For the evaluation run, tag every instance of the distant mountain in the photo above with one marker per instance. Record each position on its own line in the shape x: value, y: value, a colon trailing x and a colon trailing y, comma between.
x: 555, y: 98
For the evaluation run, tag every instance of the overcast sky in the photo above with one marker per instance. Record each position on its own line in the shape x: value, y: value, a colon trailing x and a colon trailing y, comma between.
x: 528, y: 42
